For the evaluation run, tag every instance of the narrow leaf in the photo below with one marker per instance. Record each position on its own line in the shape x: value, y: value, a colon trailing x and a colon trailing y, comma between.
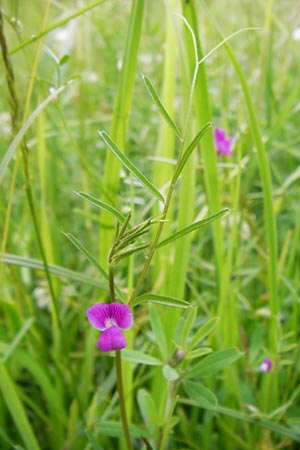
x: 148, y: 409
x: 138, y: 357
x: 201, y: 333
x: 159, y: 332
x: 170, y: 373
x: 91, y: 258
x: 283, y: 430
x: 162, y: 300
x: 129, y: 250
x: 194, y: 226
x: 59, y: 271
x: 16, y: 409
x: 214, y: 363
x: 187, y: 153
x: 110, y: 209
x: 188, y: 323
x: 21, y: 133
x: 92, y: 440
x: 115, y: 429
x: 160, y: 106
x: 201, y: 396
x: 83, y: 250
x: 130, y: 166
x: 197, y: 353
x: 18, y: 338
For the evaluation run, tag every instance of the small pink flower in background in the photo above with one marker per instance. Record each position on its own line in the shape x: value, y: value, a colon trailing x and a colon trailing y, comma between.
x: 111, y: 319
x: 222, y: 144
x: 266, y: 365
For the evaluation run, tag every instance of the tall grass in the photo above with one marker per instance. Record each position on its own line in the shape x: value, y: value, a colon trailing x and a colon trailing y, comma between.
x: 107, y: 148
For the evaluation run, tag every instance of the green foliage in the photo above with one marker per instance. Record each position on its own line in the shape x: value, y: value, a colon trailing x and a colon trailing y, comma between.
x: 204, y: 248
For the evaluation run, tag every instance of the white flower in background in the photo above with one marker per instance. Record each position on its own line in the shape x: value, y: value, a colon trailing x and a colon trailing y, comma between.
x: 5, y: 124
x: 64, y: 38
x: 296, y: 34
x: 88, y: 76
x: 41, y: 296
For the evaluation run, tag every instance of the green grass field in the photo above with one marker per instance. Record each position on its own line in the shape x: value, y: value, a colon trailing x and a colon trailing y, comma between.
x: 113, y: 190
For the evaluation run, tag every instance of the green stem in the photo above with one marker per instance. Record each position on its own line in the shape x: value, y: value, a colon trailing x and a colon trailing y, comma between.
x: 14, y: 104
x: 55, y: 25
x: 111, y: 283
x: 118, y: 361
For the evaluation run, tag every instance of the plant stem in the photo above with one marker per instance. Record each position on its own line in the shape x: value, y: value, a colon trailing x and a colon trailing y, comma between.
x: 118, y: 361
x: 111, y: 283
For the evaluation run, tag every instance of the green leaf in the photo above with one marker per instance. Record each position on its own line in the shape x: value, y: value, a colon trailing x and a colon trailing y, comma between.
x: 59, y: 271
x: 64, y: 59
x: 197, y: 353
x: 160, y: 106
x: 138, y: 357
x: 187, y: 153
x: 148, y: 410
x: 200, y: 395
x: 129, y: 250
x: 188, y: 325
x: 92, y: 440
x: 162, y: 300
x: 194, y: 226
x: 201, y: 333
x: 130, y: 166
x: 21, y: 133
x: 16, y: 409
x: 214, y: 363
x: 93, y: 260
x: 83, y: 250
x: 17, y: 339
x: 289, y: 432
x: 170, y: 373
x: 158, y: 331
x: 115, y: 429
x: 110, y: 209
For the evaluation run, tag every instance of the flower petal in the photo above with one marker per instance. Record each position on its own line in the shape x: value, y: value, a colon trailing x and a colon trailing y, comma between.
x: 266, y: 365
x: 219, y: 134
x: 222, y: 144
x: 121, y: 314
x: 98, y: 315
x: 111, y: 339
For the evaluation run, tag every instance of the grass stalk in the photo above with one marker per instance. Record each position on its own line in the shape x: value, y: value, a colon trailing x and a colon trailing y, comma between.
x: 120, y: 119
x: 270, y: 221
x: 28, y: 189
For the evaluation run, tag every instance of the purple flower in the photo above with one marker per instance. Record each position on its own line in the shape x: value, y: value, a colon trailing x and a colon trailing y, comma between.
x: 110, y: 318
x: 266, y: 365
x: 222, y: 144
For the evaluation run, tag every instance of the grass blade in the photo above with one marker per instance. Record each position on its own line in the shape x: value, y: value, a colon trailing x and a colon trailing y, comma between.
x: 21, y: 133
x: 130, y: 166
x: 16, y: 409
x: 59, y: 271
x: 17, y: 339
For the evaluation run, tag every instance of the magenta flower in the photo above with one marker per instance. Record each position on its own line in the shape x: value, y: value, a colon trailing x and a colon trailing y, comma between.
x: 266, y: 365
x: 110, y: 318
x: 222, y: 144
